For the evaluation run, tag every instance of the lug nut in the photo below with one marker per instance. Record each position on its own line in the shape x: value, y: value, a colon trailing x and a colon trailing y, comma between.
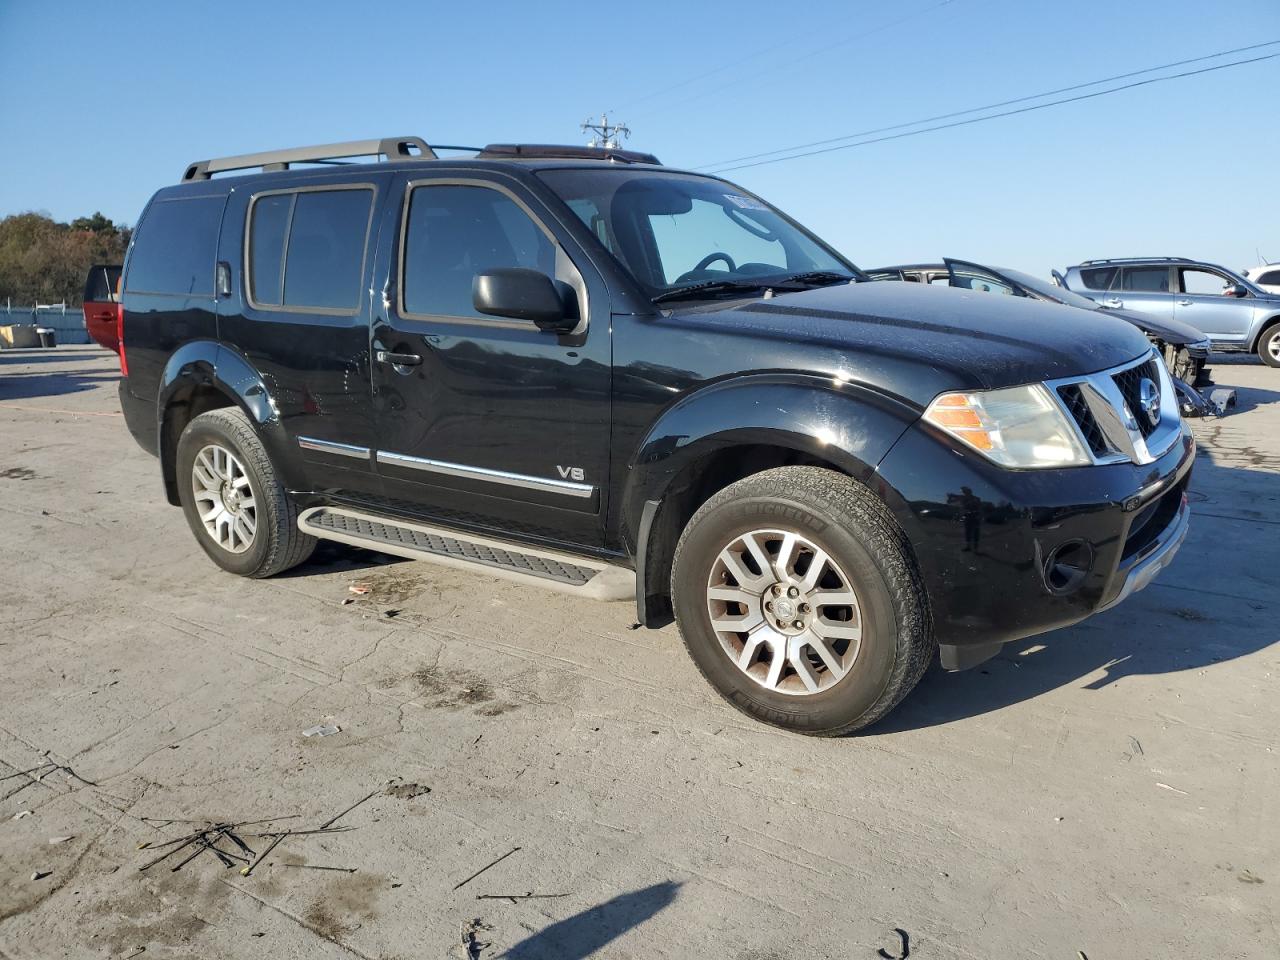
x: 793, y: 592
x: 777, y: 589
x: 768, y: 604
x: 804, y: 608
x: 799, y: 624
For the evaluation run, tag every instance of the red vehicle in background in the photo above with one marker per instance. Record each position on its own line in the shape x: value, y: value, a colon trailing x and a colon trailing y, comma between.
x: 100, y: 304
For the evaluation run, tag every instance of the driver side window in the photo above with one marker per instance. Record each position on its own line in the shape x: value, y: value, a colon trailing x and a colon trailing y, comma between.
x: 1203, y: 283
x: 686, y: 239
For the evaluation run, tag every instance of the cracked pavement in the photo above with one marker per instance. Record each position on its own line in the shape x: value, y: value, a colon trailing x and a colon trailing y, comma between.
x: 1110, y: 788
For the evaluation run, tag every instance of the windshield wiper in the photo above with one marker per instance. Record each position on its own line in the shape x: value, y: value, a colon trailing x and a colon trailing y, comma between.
x: 817, y: 278
x: 709, y: 288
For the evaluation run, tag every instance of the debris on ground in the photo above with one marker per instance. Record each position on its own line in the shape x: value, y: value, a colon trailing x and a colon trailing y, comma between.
x: 322, y: 730
x: 21, y: 813
x: 471, y: 941
x: 485, y: 867
x: 1165, y: 786
x: 905, y: 947
x: 407, y: 791
x: 53, y: 840
x: 41, y: 874
x: 37, y: 774
x: 316, y: 866
x: 513, y: 897
x: 359, y: 589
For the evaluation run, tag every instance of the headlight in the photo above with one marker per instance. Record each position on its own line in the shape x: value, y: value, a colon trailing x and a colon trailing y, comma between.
x: 1015, y: 427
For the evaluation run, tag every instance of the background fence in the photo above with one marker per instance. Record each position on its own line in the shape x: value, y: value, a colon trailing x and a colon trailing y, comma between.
x: 67, y: 321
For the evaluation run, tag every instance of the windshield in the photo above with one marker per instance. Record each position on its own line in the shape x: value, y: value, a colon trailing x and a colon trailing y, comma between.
x: 676, y: 231
x: 1046, y: 288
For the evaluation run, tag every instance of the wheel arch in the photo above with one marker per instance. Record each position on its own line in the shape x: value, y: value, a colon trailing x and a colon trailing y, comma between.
x: 733, y: 430
x: 1267, y: 324
x: 202, y: 376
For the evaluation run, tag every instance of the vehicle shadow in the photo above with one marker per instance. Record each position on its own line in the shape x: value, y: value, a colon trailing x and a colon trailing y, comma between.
x: 333, y: 557
x: 56, y: 355
x: 1209, y: 607
x: 25, y: 386
x: 582, y: 934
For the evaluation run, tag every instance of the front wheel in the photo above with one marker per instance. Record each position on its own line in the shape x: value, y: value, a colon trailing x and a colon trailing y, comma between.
x: 798, y: 598
x: 1269, y: 346
x: 233, y: 499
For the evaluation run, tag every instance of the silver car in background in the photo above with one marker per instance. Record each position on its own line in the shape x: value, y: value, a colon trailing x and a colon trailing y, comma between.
x: 1235, y: 313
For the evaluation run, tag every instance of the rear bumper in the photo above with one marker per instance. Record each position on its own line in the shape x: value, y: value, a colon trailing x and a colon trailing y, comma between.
x: 140, y: 418
x: 1008, y: 554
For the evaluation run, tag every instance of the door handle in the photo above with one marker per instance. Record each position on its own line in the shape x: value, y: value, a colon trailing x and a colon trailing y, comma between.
x: 1184, y: 303
x: 1113, y: 302
x: 397, y: 359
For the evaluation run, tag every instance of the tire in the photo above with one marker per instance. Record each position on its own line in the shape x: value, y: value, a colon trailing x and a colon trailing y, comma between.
x: 867, y: 556
x: 274, y: 543
x: 1269, y: 345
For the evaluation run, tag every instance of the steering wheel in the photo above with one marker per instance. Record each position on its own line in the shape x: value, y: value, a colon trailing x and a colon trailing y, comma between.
x: 705, y: 262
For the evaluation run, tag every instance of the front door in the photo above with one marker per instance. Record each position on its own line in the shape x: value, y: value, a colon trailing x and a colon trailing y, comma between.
x: 1202, y: 303
x: 486, y: 421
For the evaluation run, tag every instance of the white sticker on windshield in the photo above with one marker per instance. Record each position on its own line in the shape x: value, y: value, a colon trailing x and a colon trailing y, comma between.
x: 745, y: 203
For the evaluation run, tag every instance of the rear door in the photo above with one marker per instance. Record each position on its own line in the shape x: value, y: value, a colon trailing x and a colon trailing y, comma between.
x: 481, y: 420
x: 299, y: 316
x: 1202, y: 303
x: 1144, y: 289
x: 100, y: 299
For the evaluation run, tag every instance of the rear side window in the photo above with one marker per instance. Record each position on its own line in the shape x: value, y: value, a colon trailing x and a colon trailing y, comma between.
x: 307, y: 249
x: 1271, y: 277
x: 1147, y: 279
x: 1099, y: 278
x: 175, y: 248
x: 100, y: 286
x: 454, y: 232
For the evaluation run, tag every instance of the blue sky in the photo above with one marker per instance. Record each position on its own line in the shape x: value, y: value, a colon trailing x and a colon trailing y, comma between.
x: 101, y: 104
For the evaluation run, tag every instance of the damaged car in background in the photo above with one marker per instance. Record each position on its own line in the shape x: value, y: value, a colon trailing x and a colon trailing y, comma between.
x: 1184, y: 348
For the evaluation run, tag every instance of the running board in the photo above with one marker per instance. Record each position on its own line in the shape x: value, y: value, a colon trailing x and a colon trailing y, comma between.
x: 549, y: 569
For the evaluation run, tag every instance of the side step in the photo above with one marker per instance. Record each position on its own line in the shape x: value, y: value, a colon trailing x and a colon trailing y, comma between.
x: 549, y: 569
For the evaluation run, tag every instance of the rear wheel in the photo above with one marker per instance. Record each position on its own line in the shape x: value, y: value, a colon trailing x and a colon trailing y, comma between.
x: 1269, y: 346
x: 233, y: 499
x: 798, y: 599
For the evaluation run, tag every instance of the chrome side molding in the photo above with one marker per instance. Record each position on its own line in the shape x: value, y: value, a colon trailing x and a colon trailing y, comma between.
x: 338, y: 449
x: 544, y: 484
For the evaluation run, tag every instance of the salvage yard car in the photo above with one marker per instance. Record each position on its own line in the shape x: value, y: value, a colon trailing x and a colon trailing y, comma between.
x: 1185, y: 349
x: 578, y: 368
x: 1234, y: 312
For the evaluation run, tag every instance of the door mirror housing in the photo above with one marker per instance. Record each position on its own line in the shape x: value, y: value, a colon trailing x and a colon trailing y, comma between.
x: 1235, y: 290
x: 522, y: 294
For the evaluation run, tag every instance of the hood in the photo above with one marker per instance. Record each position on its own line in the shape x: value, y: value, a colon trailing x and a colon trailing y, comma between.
x: 1171, y: 331
x: 917, y: 340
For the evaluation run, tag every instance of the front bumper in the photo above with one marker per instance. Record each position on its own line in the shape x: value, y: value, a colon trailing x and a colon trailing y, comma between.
x: 1008, y: 554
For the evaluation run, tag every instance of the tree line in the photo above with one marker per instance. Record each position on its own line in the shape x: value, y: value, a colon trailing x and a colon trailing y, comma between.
x: 44, y: 261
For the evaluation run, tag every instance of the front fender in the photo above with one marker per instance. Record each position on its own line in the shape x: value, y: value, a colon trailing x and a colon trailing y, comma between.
x: 198, y: 368
x: 845, y: 424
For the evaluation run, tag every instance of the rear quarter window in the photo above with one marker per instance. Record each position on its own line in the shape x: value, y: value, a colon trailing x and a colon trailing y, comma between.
x: 175, y: 247
x: 1271, y: 277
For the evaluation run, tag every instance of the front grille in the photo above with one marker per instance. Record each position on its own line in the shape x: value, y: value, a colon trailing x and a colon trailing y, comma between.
x: 1129, y: 382
x: 1073, y: 397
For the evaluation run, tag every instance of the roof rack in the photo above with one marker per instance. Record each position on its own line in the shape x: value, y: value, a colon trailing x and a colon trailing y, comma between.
x: 496, y: 151
x: 393, y: 148
x: 1090, y: 263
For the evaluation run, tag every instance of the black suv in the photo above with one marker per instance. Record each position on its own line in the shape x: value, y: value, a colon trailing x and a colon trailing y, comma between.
x: 578, y: 368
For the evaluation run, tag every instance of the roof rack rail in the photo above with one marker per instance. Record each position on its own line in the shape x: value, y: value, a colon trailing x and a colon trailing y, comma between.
x: 496, y: 151
x: 393, y: 148
x: 1089, y: 263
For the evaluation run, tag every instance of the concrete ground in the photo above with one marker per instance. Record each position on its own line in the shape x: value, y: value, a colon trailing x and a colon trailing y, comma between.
x: 1110, y: 789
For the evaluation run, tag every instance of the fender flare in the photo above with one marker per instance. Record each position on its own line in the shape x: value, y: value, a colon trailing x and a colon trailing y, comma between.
x: 203, y: 365
x: 847, y: 425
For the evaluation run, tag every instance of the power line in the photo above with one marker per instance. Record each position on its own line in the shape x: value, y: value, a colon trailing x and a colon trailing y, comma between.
x: 991, y: 106
x: 740, y: 61
x: 996, y: 116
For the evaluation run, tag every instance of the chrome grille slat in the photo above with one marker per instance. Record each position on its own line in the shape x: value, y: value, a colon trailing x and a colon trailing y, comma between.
x: 1105, y: 408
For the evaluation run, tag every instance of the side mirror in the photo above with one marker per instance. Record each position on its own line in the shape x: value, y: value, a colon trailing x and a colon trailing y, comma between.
x: 1235, y: 290
x: 521, y: 294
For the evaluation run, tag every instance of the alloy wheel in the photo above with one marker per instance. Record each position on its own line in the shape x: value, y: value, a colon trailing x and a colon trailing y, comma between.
x: 224, y: 498
x: 784, y: 612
